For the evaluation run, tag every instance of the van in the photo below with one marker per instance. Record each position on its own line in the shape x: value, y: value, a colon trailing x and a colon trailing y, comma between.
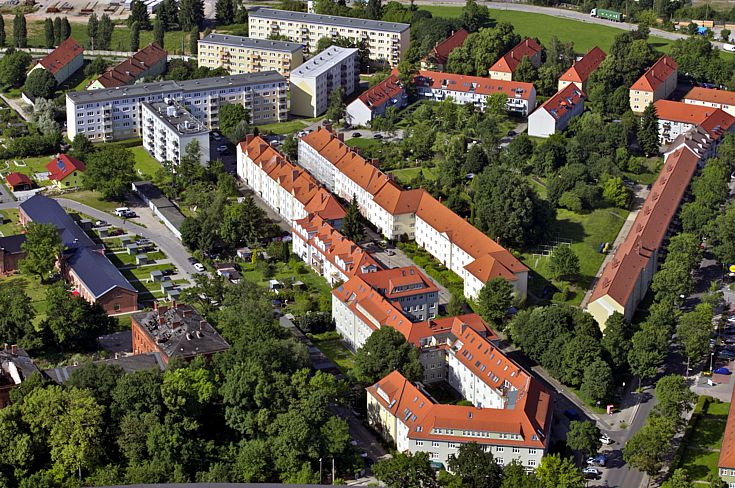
x: 121, y: 211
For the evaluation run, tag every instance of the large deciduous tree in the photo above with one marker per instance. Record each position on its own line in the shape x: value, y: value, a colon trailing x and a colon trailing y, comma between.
x: 407, y: 471
x: 42, y: 248
x: 584, y: 437
x: 16, y: 321
x: 556, y: 471
x: 494, y: 300
x: 40, y: 84
x: 111, y: 171
x: 564, y: 263
x: 385, y: 351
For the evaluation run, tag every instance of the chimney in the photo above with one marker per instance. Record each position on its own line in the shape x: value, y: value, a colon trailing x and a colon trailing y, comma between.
x: 162, y: 309
x: 356, y: 150
x: 328, y: 127
x: 14, y: 349
x: 161, y: 320
x: 341, y: 137
x: 155, y: 306
x: 173, y: 304
x: 249, y: 138
x: 375, y: 162
x: 201, y: 324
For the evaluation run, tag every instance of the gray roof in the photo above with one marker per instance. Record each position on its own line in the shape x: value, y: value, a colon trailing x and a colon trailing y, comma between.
x: 273, y: 14
x: 177, y: 118
x: 97, y: 273
x: 151, y: 193
x: 129, y: 364
x: 323, y: 61
x: 46, y: 210
x: 251, y: 43
x: 170, y: 87
x: 22, y: 365
x: 12, y: 244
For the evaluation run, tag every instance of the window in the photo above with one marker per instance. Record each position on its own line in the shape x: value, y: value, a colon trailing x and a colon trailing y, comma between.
x: 532, y: 462
x: 434, y: 444
x: 419, y: 443
x: 516, y: 450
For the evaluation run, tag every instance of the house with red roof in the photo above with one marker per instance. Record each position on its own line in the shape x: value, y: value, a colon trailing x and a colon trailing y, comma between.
x: 579, y: 72
x: 710, y: 97
x: 677, y: 118
x: 555, y: 113
x: 658, y: 82
x: 18, y: 181
x: 504, y: 67
x: 66, y: 171
x: 437, y: 58
x: 376, y: 100
x: 63, y: 61
x: 148, y: 62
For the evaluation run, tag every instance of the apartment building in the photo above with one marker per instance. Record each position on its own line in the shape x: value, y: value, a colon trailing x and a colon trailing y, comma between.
x: 114, y: 114
x: 407, y: 288
x: 520, y: 96
x: 376, y: 100
x: 505, y: 67
x: 149, y: 62
x: 385, y: 42
x: 657, y: 83
x: 726, y: 462
x: 437, y: 58
x: 63, y: 61
x: 286, y: 188
x: 313, y: 82
x: 677, y: 118
x: 329, y: 253
x: 239, y: 55
x: 580, y: 71
x: 709, y: 97
x: 555, y: 113
x: 168, y: 129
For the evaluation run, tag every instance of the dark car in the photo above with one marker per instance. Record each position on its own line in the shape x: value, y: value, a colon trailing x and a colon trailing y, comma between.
x: 191, y: 260
x: 377, y: 136
x: 356, y: 134
x: 722, y: 371
x: 511, y: 133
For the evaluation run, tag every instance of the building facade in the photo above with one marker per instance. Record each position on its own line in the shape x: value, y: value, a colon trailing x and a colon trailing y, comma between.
x: 505, y: 67
x: 66, y: 171
x: 407, y: 288
x: 11, y: 252
x: 376, y: 100
x: 168, y: 129
x: 149, y: 62
x: 678, y: 118
x: 555, y: 113
x: 726, y: 462
x: 385, y: 42
x: 657, y: 83
x: 313, y: 82
x: 239, y: 55
x: 63, y: 61
x: 116, y: 114
x: 709, y: 97
x: 437, y: 58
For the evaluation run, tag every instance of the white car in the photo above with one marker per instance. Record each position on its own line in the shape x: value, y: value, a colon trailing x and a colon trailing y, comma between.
x: 199, y: 267
x: 605, y: 439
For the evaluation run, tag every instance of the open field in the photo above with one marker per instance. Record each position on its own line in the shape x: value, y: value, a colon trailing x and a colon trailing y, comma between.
x: 405, y: 176
x: 28, y: 167
x: 35, y: 291
x: 93, y: 199
x: 330, y: 344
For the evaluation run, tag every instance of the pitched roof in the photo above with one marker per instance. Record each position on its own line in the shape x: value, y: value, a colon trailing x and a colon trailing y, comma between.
x: 711, y: 95
x: 397, y: 201
x: 14, y: 179
x: 510, y: 61
x: 391, y: 283
x: 714, y: 120
x: 656, y: 74
x: 12, y: 244
x: 381, y: 93
x: 129, y: 70
x: 46, y: 210
x: 97, y: 273
x: 475, y: 84
x: 582, y: 69
x: 727, y: 451
x: 62, y: 166
x: 620, y: 276
x: 61, y: 56
x: 440, y: 53
x: 563, y: 101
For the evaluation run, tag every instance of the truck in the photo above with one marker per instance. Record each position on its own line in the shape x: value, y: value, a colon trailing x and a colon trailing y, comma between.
x: 607, y: 14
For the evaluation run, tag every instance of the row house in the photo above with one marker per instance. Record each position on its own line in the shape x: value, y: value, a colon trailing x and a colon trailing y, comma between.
x: 376, y: 100
x: 438, y: 57
x: 555, y: 114
x: 677, y: 118
x: 407, y: 288
x: 63, y: 61
x: 149, y: 62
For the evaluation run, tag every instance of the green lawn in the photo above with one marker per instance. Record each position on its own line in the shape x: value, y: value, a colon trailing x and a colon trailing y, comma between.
x: 330, y: 344
x: 9, y: 223
x: 28, y: 167
x: 145, y: 165
x: 405, y: 176
x: 35, y: 291
x: 92, y: 199
x: 288, y: 127
x: 649, y: 173
x: 702, y: 449
x: 363, y: 143
x: 585, y: 36
x: 586, y: 231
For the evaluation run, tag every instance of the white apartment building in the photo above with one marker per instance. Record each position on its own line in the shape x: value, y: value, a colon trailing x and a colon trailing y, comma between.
x: 678, y: 118
x: 556, y: 112
x: 168, y: 129
x: 314, y: 81
x: 114, y: 114
x: 240, y: 55
x: 710, y: 97
x: 386, y: 42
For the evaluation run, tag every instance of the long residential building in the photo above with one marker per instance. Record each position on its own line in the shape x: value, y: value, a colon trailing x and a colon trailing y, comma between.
x: 580, y: 72
x: 453, y: 241
x: 438, y: 57
x: 555, y: 113
x: 658, y: 82
x: 505, y: 67
x: 709, y: 97
x: 385, y: 42
x: 520, y: 96
x: 63, y: 61
x: 677, y: 118
x: 407, y: 288
x: 726, y: 461
x: 313, y: 82
x: 148, y: 62
x: 114, y: 114
x: 168, y: 129
x: 240, y: 55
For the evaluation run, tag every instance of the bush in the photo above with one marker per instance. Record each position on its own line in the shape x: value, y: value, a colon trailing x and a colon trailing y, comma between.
x: 315, y: 322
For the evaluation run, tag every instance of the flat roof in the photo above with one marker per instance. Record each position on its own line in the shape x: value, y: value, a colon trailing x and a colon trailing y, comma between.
x: 177, y: 118
x: 273, y: 14
x: 251, y: 43
x: 323, y: 61
x: 160, y: 87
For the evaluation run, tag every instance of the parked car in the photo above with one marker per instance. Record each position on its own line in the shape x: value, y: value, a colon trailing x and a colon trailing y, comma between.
x: 191, y: 260
x: 199, y: 267
x: 216, y: 136
x: 222, y: 149
x: 605, y: 439
x: 591, y: 472
x: 377, y: 136
x: 390, y: 252
x: 356, y: 134
x: 599, y: 460
x: 725, y: 354
x: 511, y: 133
x: 100, y: 223
x: 121, y: 211
x: 722, y: 371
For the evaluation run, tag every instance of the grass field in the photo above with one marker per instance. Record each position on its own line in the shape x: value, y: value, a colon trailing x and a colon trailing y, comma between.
x: 145, y: 164
x: 283, y: 128
x: 330, y: 344
x: 93, y: 199
x: 28, y: 167
x: 702, y: 450
x: 405, y: 176
x: 585, y: 36
x: 363, y: 143
x: 35, y: 291
x: 9, y: 222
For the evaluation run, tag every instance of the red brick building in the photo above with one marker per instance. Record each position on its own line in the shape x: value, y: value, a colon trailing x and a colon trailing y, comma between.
x: 11, y: 253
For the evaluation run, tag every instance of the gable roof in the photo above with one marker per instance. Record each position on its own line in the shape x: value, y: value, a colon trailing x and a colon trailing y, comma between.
x: 510, y: 61
x: 389, y: 282
x: 580, y: 71
x: 563, y: 101
x: 46, y: 210
x: 15, y: 179
x: 97, y: 273
x: 381, y: 93
x: 656, y: 75
x: 440, y: 53
x: 129, y: 70
x: 711, y: 95
x: 12, y: 244
x: 62, y: 166
x: 727, y: 452
x: 714, y: 120
x: 475, y: 84
x: 68, y: 50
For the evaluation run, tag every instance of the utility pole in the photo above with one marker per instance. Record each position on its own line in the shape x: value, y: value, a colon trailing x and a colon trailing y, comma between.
x: 320, y: 471
x: 332, y: 469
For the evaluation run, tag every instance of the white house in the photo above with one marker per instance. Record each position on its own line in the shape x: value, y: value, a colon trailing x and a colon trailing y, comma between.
x: 556, y: 112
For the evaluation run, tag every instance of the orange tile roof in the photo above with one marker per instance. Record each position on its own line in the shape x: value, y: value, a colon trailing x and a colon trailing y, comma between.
x: 61, y: 56
x: 476, y: 84
x: 714, y: 120
x: 129, y: 70
x: 510, y: 61
x: 387, y: 280
x: 370, y: 306
x: 711, y: 95
x: 563, y: 101
x: 656, y: 74
x: 582, y: 69
x: 620, y: 276
x: 440, y: 53
x: 381, y: 93
x: 397, y: 201
x: 727, y: 451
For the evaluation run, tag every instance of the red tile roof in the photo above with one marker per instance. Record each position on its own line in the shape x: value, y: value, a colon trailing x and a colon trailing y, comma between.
x: 62, y: 166
x: 476, y: 84
x: 440, y: 53
x: 388, y: 282
x: 714, y: 120
x: 563, y: 101
x: 656, y: 74
x: 582, y: 69
x: 711, y: 95
x: 61, y: 56
x: 381, y: 93
x: 129, y: 70
x: 17, y: 179
x: 727, y: 451
x: 510, y: 61
x: 397, y: 201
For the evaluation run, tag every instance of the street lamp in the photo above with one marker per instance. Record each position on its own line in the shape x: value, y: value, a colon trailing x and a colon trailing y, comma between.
x: 711, y: 360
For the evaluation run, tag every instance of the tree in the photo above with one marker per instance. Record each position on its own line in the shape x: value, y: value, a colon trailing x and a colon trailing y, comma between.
x: 104, y: 32
x: 648, y: 353
x: 674, y: 397
x: 99, y: 378
x: 242, y: 223
x: 597, y: 383
x: 290, y: 147
x: 168, y: 14
x: 336, y: 108
x: 352, y: 226
x: 191, y: 14
x: 564, y: 263
x: 233, y: 120
x: 111, y: 171
x: 16, y: 321
x: 93, y: 25
x: 680, y: 479
x: 225, y: 11
x: 474, y: 16
x: 13, y: 67
x: 40, y: 84
x: 557, y: 472
x: 194, y: 40
x: 646, y: 449
x: 158, y: 32
x: 648, y: 131
x: 723, y: 230
x: 48, y: 30
x: 385, y: 351
x: 526, y: 71
x: 481, y: 49
x: 57, y: 30
x: 374, y: 9
x: 74, y: 323
x: 20, y: 31
x: 81, y: 147
x: 616, y: 339
x: 457, y: 305
x: 694, y: 331
x: 3, y: 40
x: 406, y: 471
x: 139, y: 14
x: 494, y: 300
x: 725, y: 35
x: 475, y: 467
x: 135, y: 35
x: 42, y: 248
x: 44, y: 115
x: 516, y: 476
x: 65, y: 29
x: 584, y: 437
x: 615, y: 192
